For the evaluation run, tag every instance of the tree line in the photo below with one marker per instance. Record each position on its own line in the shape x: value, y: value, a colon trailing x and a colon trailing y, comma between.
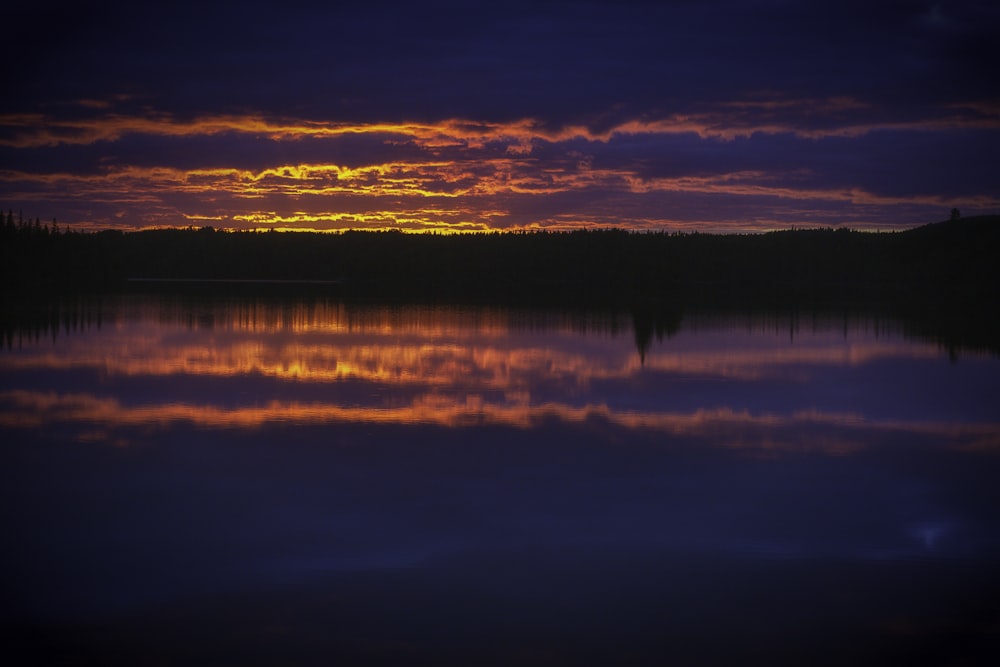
x: 942, y: 276
x: 26, y: 228
x: 949, y: 261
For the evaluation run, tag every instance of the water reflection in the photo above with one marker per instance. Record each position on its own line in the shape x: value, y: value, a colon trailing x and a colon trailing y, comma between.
x: 395, y: 484
x: 153, y: 363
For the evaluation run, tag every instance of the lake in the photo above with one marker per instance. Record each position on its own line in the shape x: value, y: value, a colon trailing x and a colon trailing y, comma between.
x: 247, y: 480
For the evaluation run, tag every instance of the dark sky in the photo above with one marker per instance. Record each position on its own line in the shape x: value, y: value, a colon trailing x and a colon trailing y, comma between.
x: 719, y: 116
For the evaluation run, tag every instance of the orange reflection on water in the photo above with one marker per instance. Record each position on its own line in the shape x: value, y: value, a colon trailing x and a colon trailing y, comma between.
x: 839, y: 433
x: 481, y: 364
x: 427, y: 346
x: 423, y: 364
x: 254, y: 364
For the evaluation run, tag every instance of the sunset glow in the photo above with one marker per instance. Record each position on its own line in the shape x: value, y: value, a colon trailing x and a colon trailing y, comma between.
x: 452, y: 176
x: 324, y: 363
x: 586, y: 146
x: 541, y: 332
x: 165, y: 445
x: 722, y: 427
x: 474, y: 179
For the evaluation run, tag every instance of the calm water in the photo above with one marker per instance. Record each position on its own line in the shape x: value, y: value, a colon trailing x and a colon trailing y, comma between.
x: 263, y: 482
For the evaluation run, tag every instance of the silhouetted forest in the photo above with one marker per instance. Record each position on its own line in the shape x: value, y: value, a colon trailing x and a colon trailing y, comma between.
x: 945, y: 273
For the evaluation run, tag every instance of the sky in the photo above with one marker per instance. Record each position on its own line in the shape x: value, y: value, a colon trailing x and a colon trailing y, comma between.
x: 718, y: 116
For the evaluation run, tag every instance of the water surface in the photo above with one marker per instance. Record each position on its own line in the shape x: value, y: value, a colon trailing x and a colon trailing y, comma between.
x: 275, y: 481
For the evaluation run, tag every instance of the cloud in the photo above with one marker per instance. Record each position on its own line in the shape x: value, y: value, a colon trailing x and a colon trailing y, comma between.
x: 802, y: 118
x: 774, y: 109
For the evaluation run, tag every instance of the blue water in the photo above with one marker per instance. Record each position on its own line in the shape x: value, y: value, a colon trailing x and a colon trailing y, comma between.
x: 307, y: 482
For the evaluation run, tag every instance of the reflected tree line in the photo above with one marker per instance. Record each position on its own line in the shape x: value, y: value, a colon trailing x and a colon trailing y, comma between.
x: 942, y: 277
x: 71, y: 314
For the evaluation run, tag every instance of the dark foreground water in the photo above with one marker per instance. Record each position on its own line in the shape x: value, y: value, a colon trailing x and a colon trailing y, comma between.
x: 260, y: 482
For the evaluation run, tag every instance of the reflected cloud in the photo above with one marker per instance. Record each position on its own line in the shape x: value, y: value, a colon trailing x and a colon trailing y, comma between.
x: 445, y: 363
x: 829, y: 433
x: 755, y: 386
x: 436, y: 347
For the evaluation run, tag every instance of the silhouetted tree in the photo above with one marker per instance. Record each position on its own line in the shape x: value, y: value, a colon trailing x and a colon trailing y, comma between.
x: 955, y: 214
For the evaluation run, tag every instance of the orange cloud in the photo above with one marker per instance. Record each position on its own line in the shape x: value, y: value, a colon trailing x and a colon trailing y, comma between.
x: 474, y: 179
x: 742, y: 118
x: 471, y: 174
